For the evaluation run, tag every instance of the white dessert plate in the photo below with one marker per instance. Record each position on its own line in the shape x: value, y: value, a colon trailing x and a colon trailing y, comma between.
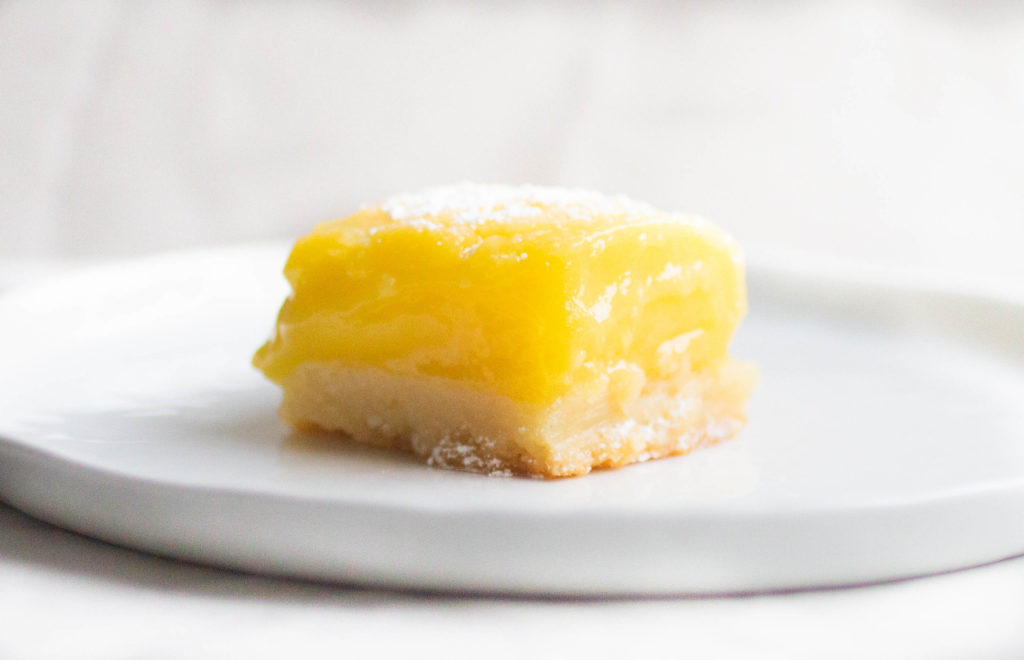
x: 886, y: 440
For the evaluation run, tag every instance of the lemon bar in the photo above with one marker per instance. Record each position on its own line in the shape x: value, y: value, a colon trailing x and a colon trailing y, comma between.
x: 514, y: 330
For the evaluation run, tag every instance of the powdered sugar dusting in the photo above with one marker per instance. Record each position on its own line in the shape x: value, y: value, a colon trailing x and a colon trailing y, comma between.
x: 602, y: 309
x: 460, y: 451
x: 471, y: 203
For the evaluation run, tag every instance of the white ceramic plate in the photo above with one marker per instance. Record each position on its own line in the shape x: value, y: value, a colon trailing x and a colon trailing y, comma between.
x: 886, y: 440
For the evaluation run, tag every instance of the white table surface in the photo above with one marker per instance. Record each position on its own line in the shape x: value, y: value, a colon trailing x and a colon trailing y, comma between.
x: 67, y: 596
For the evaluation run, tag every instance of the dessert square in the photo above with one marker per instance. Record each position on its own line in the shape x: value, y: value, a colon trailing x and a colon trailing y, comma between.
x: 514, y: 330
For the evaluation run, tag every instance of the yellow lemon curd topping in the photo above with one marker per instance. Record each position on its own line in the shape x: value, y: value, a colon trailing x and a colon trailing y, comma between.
x: 524, y: 299
x: 525, y: 294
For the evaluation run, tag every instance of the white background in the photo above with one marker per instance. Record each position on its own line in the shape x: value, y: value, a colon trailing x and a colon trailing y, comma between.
x: 891, y: 132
